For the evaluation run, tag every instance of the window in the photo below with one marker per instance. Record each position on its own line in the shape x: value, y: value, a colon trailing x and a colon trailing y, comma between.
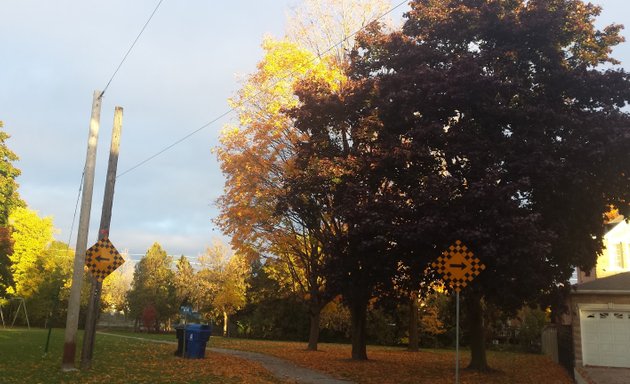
x: 617, y: 254
x: 620, y: 254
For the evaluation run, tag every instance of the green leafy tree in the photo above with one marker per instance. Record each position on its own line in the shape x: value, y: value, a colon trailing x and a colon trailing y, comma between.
x: 9, y: 199
x: 186, y: 290
x: 152, y: 288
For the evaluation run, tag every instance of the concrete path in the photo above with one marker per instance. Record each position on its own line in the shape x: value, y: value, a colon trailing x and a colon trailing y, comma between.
x: 280, y: 368
x: 602, y: 375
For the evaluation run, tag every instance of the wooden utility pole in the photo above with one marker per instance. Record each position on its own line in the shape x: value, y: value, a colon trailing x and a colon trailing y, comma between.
x: 94, y: 305
x: 74, y: 301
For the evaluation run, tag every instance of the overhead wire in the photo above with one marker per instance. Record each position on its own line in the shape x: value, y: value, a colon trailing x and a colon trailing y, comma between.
x: 217, y: 118
x: 74, y: 217
x: 232, y: 109
x: 131, y: 48
x: 100, y: 97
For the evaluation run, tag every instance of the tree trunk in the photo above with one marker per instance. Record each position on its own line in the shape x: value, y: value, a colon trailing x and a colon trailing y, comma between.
x: 476, y: 330
x: 225, y: 324
x: 358, y: 312
x: 313, y: 335
x: 414, y: 339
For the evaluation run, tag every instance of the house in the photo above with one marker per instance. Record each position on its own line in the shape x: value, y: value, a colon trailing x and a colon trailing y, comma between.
x: 615, y: 257
x: 600, y: 304
x: 600, y: 312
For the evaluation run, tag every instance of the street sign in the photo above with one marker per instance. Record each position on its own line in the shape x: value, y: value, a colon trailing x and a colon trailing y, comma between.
x: 102, y: 259
x: 458, y: 266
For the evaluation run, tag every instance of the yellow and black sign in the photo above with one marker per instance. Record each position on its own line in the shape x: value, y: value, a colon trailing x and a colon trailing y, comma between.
x: 458, y: 266
x: 102, y: 259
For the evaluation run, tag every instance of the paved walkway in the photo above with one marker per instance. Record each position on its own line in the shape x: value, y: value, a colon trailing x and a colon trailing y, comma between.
x: 602, y: 375
x: 280, y: 368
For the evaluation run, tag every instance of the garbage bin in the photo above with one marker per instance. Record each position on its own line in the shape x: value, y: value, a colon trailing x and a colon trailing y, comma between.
x: 196, y: 337
x: 179, y: 333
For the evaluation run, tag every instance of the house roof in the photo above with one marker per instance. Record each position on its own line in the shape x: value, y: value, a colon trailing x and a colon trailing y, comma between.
x: 612, y: 224
x: 615, y: 284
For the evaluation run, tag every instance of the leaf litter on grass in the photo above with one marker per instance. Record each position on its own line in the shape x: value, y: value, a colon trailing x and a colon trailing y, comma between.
x: 118, y: 360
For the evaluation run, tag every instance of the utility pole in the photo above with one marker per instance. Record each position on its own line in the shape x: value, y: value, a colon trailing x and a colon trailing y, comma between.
x: 94, y: 305
x: 74, y: 301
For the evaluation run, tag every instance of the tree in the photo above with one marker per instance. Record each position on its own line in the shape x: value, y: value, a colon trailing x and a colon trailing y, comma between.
x: 186, y: 291
x: 51, y: 283
x: 486, y: 121
x: 31, y: 236
x: 115, y: 288
x: 152, y: 288
x: 41, y: 267
x: 334, y: 177
x: 9, y: 199
x: 327, y: 28
x: 256, y: 156
x: 223, y: 282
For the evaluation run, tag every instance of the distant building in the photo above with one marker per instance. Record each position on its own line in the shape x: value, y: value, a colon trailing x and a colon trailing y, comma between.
x: 615, y: 257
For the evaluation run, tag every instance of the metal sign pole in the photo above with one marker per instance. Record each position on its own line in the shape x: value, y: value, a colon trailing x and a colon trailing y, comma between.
x: 458, y: 267
x: 457, y: 339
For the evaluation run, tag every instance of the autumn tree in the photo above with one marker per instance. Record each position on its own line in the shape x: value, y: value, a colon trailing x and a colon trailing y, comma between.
x: 31, y: 235
x: 41, y: 267
x: 222, y: 281
x: 256, y: 155
x: 335, y: 177
x: 115, y: 288
x: 152, y: 288
x: 51, y: 283
x: 497, y: 124
x: 327, y: 28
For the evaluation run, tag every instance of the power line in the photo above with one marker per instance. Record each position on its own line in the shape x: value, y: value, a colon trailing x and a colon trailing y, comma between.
x: 74, y: 217
x: 232, y: 109
x: 131, y: 47
x: 101, y: 96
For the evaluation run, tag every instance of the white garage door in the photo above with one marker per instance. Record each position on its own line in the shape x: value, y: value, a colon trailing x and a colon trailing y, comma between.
x: 606, y: 338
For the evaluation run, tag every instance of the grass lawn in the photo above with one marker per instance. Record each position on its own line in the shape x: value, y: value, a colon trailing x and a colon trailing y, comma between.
x: 397, y: 366
x: 117, y: 360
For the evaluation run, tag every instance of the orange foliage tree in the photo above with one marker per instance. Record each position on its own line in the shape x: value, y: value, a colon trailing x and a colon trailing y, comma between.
x: 257, y: 153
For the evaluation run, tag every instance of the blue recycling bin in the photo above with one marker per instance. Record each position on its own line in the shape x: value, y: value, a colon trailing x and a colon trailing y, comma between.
x: 196, y: 337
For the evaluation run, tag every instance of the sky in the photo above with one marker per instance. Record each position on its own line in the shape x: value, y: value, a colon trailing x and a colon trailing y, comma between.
x: 190, y: 59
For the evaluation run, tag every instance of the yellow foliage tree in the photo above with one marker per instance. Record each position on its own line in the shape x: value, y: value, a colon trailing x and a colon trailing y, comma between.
x: 257, y: 153
x: 222, y: 281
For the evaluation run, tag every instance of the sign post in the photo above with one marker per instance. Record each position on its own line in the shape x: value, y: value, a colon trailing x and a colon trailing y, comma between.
x: 106, y: 216
x: 458, y: 266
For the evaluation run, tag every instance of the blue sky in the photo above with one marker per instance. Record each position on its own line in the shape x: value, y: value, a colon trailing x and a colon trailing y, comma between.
x: 178, y: 78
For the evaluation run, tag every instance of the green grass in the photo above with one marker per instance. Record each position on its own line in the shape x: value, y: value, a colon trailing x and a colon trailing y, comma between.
x: 129, y: 360
x: 116, y: 360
